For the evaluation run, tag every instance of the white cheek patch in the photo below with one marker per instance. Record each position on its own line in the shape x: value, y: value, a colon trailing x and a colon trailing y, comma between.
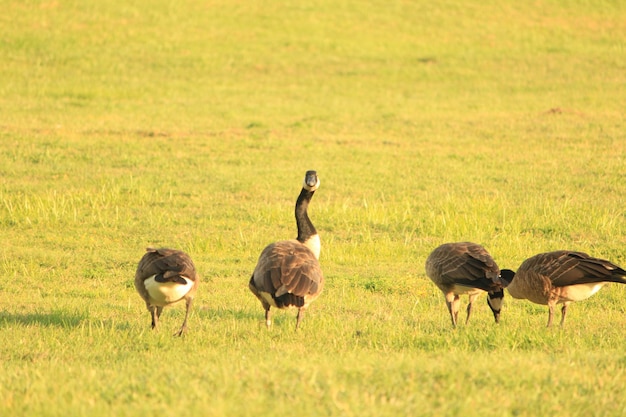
x: 164, y: 293
x: 311, y: 188
x: 495, y: 303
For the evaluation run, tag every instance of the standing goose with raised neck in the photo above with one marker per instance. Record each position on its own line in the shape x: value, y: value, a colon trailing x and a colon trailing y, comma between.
x: 562, y: 277
x: 288, y: 272
x: 466, y: 268
x: 166, y: 277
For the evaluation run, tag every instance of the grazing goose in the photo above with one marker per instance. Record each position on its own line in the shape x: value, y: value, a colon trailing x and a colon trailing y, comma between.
x: 562, y: 277
x: 288, y: 272
x: 465, y: 268
x: 165, y: 277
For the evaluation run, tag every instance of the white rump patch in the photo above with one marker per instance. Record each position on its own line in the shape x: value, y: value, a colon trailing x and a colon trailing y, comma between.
x: 164, y: 293
x: 581, y: 291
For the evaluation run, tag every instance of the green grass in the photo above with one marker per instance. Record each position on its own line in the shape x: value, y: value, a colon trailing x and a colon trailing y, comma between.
x: 190, y: 124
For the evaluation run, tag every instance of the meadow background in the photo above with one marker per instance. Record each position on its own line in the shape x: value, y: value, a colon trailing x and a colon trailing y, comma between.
x: 190, y: 124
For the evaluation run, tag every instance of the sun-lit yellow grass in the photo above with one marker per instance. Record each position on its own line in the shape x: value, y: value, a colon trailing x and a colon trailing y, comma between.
x: 191, y: 124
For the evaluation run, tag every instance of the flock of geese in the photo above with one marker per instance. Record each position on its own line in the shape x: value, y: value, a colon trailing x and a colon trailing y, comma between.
x: 288, y: 274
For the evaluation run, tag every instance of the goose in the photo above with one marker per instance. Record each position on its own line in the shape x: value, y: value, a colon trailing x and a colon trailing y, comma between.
x: 459, y: 268
x: 561, y: 277
x: 288, y: 272
x: 165, y: 277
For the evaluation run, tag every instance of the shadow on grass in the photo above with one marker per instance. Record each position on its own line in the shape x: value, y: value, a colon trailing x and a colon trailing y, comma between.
x: 57, y: 318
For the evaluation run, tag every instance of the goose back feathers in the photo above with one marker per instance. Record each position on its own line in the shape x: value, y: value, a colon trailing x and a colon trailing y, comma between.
x: 165, y: 277
x: 465, y: 268
x: 287, y: 274
x: 562, y: 277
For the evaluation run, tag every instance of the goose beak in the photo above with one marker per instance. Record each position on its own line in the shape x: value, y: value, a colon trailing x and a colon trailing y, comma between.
x: 311, y: 181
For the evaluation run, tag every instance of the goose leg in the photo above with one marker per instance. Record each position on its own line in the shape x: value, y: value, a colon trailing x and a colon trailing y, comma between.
x: 469, y: 306
x: 563, y: 313
x: 550, y: 314
x: 453, y: 301
x: 183, y: 328
x: 268, y: 320
x: 155, y: 312
x: 299, y: 317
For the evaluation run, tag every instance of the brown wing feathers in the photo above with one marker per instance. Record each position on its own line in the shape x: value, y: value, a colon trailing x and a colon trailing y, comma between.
x: 169, y: 265
x: 571, y: 268
x: 468, y: 264
x: 299, y: 271
x: 290, y: 272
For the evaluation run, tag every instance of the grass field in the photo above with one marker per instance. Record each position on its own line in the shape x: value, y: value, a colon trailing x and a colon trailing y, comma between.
x: 190, y: 124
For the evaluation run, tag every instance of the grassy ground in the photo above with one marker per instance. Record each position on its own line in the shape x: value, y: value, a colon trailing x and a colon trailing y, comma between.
x: 190, y: 124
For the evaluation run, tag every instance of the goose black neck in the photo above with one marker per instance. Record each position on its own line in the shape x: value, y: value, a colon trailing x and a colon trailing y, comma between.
x: 305, y: 227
